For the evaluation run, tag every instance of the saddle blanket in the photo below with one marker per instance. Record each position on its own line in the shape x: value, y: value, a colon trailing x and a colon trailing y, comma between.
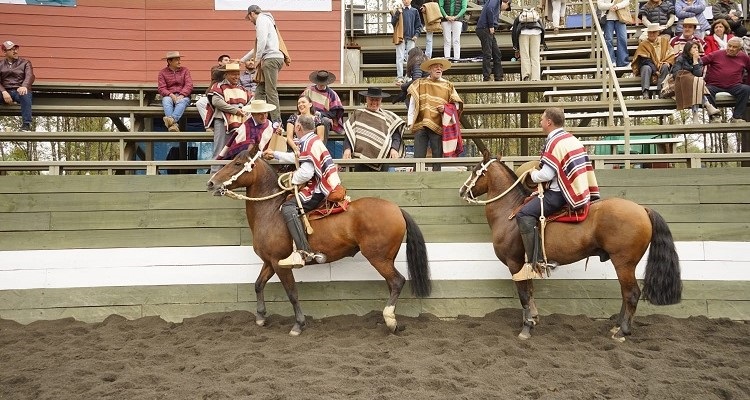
x: 327, y: 208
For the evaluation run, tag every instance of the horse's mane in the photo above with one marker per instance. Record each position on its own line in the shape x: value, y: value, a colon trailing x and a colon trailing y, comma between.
x: 522, y: 190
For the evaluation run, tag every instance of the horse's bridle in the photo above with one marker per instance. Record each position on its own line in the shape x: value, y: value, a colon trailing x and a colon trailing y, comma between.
x: 472, y: 180
x: 223, y: 191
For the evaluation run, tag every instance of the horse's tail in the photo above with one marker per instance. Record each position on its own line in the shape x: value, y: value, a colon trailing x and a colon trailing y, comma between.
x: 662, y: 284
x: 416, y: 258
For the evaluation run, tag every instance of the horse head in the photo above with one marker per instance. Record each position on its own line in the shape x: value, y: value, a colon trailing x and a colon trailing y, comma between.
x: 235, y: 174
x: 477, y: 183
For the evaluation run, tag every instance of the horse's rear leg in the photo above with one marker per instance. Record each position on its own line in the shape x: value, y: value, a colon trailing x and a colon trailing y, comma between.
x: 631, y: 293
x: 287, y: 281
x: 266, y: 272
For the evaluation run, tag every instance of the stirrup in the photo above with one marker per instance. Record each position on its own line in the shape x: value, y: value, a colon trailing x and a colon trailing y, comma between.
x: 528, y: 271
x: 294, y: 260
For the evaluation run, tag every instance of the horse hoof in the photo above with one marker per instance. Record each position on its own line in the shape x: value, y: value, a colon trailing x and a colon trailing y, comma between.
x: 614, y: 329
x: 260, y: 322
x: 616, y: 335
x: 525, y: 333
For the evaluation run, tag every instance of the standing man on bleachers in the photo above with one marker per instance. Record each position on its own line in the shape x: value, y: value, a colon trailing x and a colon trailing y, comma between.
x: 227, y: 98
x: 16, y: 78
x: 175, y: 87
x: 488, y: 20
x: 269, y: 57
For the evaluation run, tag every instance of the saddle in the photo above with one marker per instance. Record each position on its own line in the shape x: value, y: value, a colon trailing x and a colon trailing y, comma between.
x: 327, y: 208
x: 566, y: 214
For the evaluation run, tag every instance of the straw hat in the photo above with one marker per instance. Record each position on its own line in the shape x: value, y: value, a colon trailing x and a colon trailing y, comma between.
x: 690, y: 21
x: 425, y: 66
x: 322, y: 77
x: 172, y: 54
x: 258, y: 106
x: 374, y: 92
x: 230, y: 67
x: 654, y: 28
x: 529, y: 165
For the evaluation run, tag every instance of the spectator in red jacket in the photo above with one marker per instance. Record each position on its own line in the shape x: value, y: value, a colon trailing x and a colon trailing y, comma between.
x: 16, y: 77
x: 175, y: 87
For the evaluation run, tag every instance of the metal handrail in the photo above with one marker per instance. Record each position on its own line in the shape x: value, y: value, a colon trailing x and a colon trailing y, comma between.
x: 609, y: 80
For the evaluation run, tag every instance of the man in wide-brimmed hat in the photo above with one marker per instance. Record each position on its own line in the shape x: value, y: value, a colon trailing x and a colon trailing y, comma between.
x: 326, y: 100
x: 175, y: 87
x: 653, y: 59
x: 257, y: 129
x: 430, y: 97
x: 373, y: 133
x: 16, y: 78
x: 225, y: 114
x: 689, y: 34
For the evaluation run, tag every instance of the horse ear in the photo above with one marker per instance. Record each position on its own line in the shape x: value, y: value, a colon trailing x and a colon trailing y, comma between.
x: 485, y: 155
x: 252, y: 150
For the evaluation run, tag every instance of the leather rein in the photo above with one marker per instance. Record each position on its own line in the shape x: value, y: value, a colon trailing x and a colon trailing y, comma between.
x: 472, y: 181
x: 247, y: 168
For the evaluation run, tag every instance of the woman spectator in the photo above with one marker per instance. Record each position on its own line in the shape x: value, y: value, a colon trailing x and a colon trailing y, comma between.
x: 414, y: 59
x: 690, y: 88
x: 615, y: 27
x: 718, y: 36
x: 527, y: 35
x: 304, y: 107
x: 453, y: 11
x: 553, y: 11
x: 691, y: 8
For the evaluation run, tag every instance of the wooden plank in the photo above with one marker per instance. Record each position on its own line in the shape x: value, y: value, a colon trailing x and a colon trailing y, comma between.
x: 665, y: 195
x: 661, y: 177
x: 16, y: 221
x: 45, y: 202
x: 735, y: 310
x: 94, y: 239
x: 85, y: 314
x: 149, y: 219
x: 725, y: 194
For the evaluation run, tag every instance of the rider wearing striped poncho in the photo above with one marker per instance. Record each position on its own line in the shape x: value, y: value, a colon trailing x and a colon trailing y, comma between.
x: 320, y: 178
x: 565, y: 166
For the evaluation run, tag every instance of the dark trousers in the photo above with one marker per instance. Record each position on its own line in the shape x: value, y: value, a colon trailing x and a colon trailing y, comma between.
x: 24, y: 101
x: 553, y: 202
x: 426, y: 137
x: 741, y: 94
x: 647, y: 70
x: 491, y: 56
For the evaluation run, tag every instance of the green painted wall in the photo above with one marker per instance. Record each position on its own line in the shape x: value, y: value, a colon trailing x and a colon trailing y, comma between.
x: 56, y: 212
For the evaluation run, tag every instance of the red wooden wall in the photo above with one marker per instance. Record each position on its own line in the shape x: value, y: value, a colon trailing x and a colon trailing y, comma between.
x: 124, y: 41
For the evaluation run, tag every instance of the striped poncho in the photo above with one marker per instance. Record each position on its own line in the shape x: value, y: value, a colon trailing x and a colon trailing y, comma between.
x: 568, y: 157
x: 326, y: 178
x: 245, y: 137
x: 426, y: 95
x: 234, y: 95
x: 329, y: 104
x: 370, y: 134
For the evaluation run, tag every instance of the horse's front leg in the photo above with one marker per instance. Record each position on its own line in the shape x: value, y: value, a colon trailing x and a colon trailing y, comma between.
x: 287, y: 281
x: 530, y: 312
x: 266, y: 272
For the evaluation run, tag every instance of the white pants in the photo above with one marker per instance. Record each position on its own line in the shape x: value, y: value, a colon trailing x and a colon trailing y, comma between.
x: 451, y: 37
x: 428, y: 45
x: 529, y: 48
x: 401, y: 50
x: 556, y: 9
x: 202, y: 105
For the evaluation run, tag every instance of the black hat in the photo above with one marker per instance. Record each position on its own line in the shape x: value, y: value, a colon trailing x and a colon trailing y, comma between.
x: 374, y: 92
x: 322, y: 77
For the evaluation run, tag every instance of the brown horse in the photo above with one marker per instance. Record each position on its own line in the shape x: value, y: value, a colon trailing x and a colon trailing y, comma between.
x: 372, y: 226
x: 615, y: 229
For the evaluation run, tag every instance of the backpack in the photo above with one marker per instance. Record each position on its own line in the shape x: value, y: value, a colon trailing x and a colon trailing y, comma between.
x: 528, y: 15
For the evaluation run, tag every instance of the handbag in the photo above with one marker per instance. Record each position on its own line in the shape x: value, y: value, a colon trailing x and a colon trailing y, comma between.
x: 624, y: 15
x: 667, y: 87
x: 277, y: 143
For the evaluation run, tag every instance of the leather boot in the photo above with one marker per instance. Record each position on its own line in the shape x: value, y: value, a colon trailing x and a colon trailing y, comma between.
x: 303, y: 255
x: 712, y: 111
x: 530, y: 238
